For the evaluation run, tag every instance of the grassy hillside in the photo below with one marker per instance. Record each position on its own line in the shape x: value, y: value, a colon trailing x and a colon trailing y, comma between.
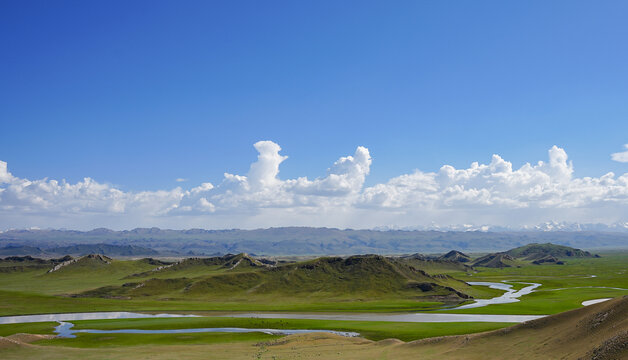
x: 536, y: 254
x: 242, y: 283
x: 194, y: 267
x: 12, y: 264
x: 368, y: 277
x: 83, y: 274
x: 434, y: 265
x: 596, y: 332
x: 456, y: 256
x: 537, y: 251
x: 233, y: 282
x: 498, y: 260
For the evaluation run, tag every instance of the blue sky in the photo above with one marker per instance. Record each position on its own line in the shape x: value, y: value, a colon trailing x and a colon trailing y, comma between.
x: 137, y: 94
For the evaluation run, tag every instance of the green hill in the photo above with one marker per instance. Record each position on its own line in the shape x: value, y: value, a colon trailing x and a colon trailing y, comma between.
x: 84, y: 263
x: 536, y: 254
x: 194, y: 267
x: 497, y: 260
x: 457, y: 256
x: 27, y: 263
x: 537, y: 251
x: 547, y: 259
x: 366, y: 276
x: 433, y: 265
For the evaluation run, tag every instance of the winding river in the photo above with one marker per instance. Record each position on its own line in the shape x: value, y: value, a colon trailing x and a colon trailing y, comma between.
x: 65, y: 330
x: 509, y: 296
x: 413, y: 317
x: 84, y: 316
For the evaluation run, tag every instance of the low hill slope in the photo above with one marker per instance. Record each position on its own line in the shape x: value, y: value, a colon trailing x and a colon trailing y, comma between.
x: 547, y: 259
x: 84, y: 263
x: 25, y: 263
x: 537, y: 251
x: 193, y: 267
x: 497, y: 260
x: 368, y: 276
x: 457, y: 256
x: 23, y: 260
x: 598, y: 331
x: 536, y: 254
x: 433, y: 265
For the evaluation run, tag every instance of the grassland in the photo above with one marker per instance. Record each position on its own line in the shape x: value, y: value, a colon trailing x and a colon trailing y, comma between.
x: 46, y: 328
x: 564, y: 287
x: 373, y: 330
x: 328, y: 284
x: 21, y: 303
x: 32, y: 290
x: 599, y: 331
x: 128, y: 340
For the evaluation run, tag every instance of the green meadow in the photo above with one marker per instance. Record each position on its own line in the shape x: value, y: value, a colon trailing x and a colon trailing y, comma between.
x: 563, y: 287
x: 125, y: 340
x: 373, y: 330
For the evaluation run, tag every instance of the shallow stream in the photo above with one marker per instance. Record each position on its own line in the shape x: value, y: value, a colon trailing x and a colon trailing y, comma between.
x: 511, y: 295
x: 65, y: 330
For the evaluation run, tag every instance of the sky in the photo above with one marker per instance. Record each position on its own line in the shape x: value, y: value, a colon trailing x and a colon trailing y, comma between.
x: 361, y: 114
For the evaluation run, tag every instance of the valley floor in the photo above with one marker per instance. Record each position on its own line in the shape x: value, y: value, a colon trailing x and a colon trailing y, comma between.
x: 599, y: 331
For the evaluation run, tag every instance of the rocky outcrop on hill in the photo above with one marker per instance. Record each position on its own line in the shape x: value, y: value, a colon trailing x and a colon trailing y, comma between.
x: 92, y: 258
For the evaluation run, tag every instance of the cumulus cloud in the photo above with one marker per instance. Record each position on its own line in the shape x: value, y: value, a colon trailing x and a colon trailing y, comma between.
x: 621, y: 156
x: 494, y: 193
x: 262, y: 188
x: 5, y: 175
x: 263, y: 173
x: 346, y: 176
x: 497, y: 186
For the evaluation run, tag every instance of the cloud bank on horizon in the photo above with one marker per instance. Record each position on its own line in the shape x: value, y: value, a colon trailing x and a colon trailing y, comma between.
x: 492, y: 193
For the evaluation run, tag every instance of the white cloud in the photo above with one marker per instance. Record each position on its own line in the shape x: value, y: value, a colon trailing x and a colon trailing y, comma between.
x: 346, y: 176
x: 497, y: 186
x: 5, y: 176
x: 621, y: 156
x: 180, y: 180
x: 492, y: 193
x: 263, y: 173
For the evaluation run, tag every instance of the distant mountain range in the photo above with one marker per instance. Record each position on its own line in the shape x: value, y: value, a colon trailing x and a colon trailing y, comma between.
x: 78, y: 250
x: 291, y: 241
x: 546, y: 226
